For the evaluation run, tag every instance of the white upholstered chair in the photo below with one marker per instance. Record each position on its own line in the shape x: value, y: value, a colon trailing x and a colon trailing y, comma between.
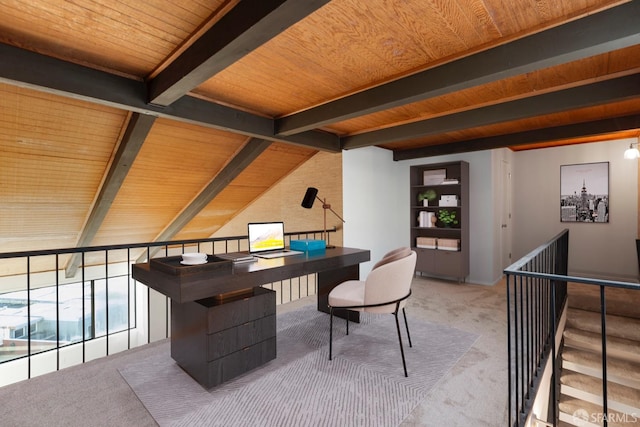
x: 385, y: 290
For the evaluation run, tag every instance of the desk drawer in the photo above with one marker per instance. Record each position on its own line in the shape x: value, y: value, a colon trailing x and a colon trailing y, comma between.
x: 237, y: 363
x: 223, y: 314
x: 239, y: 337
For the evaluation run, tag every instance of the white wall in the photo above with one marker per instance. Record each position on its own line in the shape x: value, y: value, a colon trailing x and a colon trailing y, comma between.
x: 376, y: 206
x: 376, y: 211
x: 595, y: 250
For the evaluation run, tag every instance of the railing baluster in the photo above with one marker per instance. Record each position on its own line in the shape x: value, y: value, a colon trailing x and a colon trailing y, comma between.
x: 148, y: 301
x: 509, y: 350
x: 517, y: 343
x: 84, y: 326
x: 603, y: 321
x: 57, y: 312
x: 29, y: 317
x: 129, y: 298
x: 552, y: 337
x: 106, y: 299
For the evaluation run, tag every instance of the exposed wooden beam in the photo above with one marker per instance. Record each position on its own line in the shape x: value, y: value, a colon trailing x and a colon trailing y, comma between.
x: 599, y: 93
x: 577, y: 130
x: 244, y: 28
x: 611, y: 29
x: 134, y: 136
x: 32, y: 70
x: 240, y: 162
x: 203, y: 113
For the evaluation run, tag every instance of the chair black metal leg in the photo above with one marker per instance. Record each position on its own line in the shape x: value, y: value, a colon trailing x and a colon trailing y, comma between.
x: 330, y: 331
x: 404, y: 364
x: 406, y: 326
x: 347, y: 311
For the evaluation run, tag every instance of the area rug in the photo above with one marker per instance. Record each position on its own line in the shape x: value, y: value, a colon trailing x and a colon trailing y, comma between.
x: 364, y: 384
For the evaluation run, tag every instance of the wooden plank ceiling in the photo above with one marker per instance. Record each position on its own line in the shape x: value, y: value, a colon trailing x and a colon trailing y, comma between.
x: 124, y: 121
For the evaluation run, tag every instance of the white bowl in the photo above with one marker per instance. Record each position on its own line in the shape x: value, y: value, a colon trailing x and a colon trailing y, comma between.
x: 194, y: 257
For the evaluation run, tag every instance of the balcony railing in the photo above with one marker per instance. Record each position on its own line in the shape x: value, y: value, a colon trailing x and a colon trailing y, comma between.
x: 62, y: 307
x: 536, y: 298
x: 534, y: 304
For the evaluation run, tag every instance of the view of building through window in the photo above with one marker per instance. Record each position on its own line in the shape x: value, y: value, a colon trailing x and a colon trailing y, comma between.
x: 53, y: 317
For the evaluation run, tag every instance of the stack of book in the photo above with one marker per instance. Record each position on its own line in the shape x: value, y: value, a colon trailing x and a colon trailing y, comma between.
x: 425, y: 219
x: 427, y: 242
x: 449, y: 181
x: 449, y: 244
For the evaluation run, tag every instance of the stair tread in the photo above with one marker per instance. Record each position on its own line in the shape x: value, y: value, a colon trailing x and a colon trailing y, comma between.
x: 616, y: 347
x: 615, y: 392
x: 620, y: 371
x: 620, y: 301
x: 617, y: 326
x: 592, y: 412
x: 581, y: 373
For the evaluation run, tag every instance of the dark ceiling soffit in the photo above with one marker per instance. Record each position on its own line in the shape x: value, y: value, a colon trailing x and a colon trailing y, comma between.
x: 39, y: 72
x: 577, y: 130
x: 604, y: 92
x: 609, y: 30
x: 134, y: 136
x: 243, y: 29
x: 250, y: 152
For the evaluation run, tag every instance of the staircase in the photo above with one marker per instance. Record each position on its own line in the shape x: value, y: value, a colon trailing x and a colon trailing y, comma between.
x: 581, y: 375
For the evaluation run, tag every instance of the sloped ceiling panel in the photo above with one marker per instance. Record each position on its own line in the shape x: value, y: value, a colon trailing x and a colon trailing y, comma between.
x: 275, y: 163
x: 176, y: 162
x: 53, y: 154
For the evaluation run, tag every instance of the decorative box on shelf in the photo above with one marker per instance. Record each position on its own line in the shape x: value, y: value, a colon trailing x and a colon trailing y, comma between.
x: 448, y: 200
x: 307, y: 245
x: 449, y: 244
x: 434, y: 176
x: 427, y: 242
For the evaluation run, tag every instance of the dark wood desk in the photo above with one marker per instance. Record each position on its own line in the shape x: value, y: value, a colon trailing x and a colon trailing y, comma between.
x: 223, y: 323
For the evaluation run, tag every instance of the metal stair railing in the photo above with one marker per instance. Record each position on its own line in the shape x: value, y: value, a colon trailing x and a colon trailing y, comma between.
x: 536, y: 298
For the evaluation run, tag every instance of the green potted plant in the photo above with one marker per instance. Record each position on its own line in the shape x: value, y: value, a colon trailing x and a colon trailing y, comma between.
x: 448, y: 217
x: 427, y: 196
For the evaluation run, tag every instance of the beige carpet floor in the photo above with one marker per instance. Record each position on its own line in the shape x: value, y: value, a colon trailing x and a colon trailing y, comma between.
x: 363, y: 384
x: 472, y: 392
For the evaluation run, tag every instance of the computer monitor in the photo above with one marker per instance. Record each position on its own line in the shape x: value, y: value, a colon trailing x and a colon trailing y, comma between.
x: 265, y: 236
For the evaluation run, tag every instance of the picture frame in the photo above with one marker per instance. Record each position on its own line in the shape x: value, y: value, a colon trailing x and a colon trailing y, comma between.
x: 584, y: 193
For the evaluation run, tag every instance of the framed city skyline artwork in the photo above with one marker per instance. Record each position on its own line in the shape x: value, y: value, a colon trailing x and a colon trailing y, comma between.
x: 584, y: 193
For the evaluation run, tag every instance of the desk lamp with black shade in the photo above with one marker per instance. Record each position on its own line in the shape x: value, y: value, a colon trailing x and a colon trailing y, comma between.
x: 309, y: 197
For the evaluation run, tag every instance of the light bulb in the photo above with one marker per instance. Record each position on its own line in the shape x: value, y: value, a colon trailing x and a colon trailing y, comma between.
x: 631, y: 153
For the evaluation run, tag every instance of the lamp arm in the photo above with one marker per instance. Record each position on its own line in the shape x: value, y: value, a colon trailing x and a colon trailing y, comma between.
x: 328, y: 206
x: 334, y: 212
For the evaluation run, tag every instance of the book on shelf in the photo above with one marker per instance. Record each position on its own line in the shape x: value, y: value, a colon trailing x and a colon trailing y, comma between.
x: 425, y: 219
x: 449, y: 244
x: 427, y: 242
x: 450, y: 181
